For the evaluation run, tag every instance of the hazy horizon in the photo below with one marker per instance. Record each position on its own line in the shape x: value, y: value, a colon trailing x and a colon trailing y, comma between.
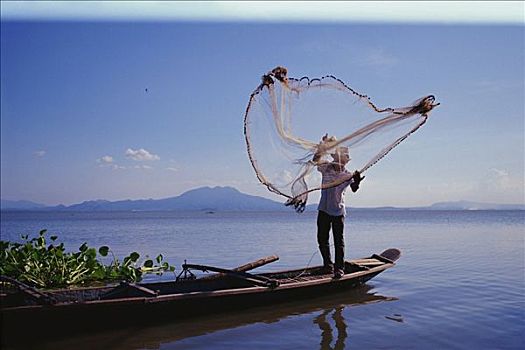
x: 276, y: 200
x: 131, y: 108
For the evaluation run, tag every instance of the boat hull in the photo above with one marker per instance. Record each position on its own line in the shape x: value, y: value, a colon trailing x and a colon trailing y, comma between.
x: 175, y: 302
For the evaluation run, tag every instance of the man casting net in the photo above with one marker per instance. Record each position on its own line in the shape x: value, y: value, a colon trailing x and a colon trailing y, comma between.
x: 294, y: 126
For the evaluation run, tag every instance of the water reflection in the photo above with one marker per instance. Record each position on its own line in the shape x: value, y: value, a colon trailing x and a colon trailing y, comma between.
x: 326, y: 329
x: 326, y: 314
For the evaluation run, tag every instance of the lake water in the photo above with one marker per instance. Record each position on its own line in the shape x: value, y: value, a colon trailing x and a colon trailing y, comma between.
x: 460, y: 283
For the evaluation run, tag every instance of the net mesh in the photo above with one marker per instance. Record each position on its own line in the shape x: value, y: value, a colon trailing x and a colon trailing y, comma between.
x: 294, y: 126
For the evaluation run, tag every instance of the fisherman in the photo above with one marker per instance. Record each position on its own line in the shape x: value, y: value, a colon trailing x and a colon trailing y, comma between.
x: 331, y: 209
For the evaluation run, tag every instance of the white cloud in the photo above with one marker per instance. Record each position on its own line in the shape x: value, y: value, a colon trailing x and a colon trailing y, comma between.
x: 118, y: 167
x: 108, y: 161
x: 497, y: 185
x: 105, y: 160
x: 501, y: 173
x: 172, y: 169
x: 141, y: 155
x: 502, y: 179
x: 40, y: 153
x: 142, y: 167
x: 138, y: 155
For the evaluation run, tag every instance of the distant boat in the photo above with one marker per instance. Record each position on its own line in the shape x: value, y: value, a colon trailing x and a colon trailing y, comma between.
x: 68, y: 311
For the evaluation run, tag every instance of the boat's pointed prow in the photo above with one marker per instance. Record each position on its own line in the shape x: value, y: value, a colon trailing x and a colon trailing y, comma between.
x: 391, y: 254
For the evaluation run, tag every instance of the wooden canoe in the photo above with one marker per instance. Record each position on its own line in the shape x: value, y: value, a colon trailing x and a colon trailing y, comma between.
x: 54, y: 313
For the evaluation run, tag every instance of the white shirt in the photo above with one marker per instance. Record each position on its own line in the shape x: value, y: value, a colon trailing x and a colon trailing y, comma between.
x: 333, y: 199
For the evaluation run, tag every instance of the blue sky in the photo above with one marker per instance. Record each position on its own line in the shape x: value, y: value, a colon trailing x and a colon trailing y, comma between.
x: 77, y: 122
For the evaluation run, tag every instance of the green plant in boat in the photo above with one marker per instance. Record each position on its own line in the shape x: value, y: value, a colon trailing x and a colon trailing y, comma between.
x: 50, y: 266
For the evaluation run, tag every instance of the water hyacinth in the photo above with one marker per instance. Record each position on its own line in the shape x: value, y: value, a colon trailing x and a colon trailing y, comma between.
x: 43, y: 265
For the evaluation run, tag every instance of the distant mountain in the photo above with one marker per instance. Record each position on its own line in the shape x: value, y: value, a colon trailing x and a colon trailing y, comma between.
x: 457, y: 205
x: 466, y: 205
x: 203, y: 198
x: 226, y: 199
x: 20, y: 205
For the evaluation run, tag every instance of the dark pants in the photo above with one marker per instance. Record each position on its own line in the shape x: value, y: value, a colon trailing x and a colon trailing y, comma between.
x: 337, y: 223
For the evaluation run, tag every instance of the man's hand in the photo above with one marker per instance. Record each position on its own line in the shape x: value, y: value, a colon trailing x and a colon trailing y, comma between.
x: 356, y: 180
x: 357, y: 176
x: 299, y: 203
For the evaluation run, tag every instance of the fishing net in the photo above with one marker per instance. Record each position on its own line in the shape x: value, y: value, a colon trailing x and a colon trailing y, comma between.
x: 293, y: 127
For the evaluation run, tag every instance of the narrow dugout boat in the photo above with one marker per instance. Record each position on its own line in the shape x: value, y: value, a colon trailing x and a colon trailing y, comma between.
x: 54, y: 313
